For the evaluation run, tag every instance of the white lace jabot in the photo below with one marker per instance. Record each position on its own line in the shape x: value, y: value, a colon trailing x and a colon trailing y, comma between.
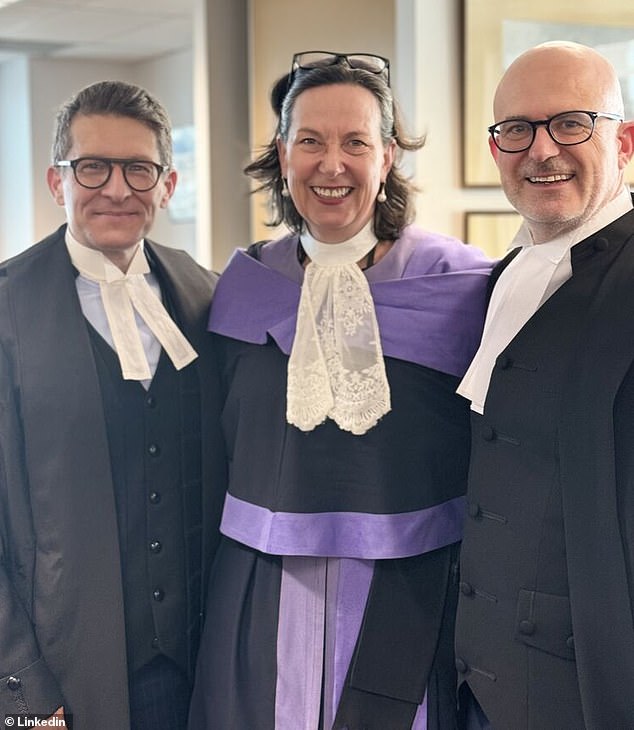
x: 336, y: 368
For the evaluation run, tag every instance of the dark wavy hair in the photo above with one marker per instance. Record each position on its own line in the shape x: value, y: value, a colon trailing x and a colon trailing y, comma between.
x: 391, y: 216
x: 115, y: 98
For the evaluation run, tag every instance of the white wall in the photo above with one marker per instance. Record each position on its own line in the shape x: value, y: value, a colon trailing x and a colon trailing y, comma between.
x: 170, y: 79
x: 431, y: 31
x: 16, y: 178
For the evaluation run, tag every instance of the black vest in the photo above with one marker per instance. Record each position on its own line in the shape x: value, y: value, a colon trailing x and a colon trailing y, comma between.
x: 154, y: 441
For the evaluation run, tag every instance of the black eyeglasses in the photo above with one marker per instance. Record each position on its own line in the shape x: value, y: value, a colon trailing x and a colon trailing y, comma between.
x: 566, y: 128
x: 94, y: 172
x: 307, y: 60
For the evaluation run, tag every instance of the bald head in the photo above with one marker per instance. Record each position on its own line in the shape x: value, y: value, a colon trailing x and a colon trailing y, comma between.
x: 578, y: 75
x: 556, y: 184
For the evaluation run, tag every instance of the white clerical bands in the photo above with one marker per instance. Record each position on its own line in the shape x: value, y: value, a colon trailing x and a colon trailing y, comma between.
x: 122, y: 293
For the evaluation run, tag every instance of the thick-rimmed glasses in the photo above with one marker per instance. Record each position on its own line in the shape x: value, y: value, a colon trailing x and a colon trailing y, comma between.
x: 94, y: 172
x: 566, y: 128
x: 307, y: 60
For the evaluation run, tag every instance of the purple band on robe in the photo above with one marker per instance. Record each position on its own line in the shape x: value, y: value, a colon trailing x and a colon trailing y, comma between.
x: 322, y: 602
x: 353, y: 579
x: 343, y: 534
x: 428, y: 292
x: 306, y: 583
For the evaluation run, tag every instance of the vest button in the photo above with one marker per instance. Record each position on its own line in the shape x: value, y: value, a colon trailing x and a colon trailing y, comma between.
x: 474, y: 509
x: 150, y: 401
x: 506, y: 363
x: 488, y: 434
x: 155, y: 547
x: 155, y: 642
x: 158, y: 594
x: 153, y: 450
x: 461, y: 665
x: 601, y: 244
x: 570, y: 642
x: 154, y: 497
x: 466, y: 588
x: 14, y: 683
x: 527, y: 627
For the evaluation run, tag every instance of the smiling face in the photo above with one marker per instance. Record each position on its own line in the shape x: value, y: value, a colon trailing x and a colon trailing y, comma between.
x: 113, y: 218
x: 334, y: 159
x: 556, y: 188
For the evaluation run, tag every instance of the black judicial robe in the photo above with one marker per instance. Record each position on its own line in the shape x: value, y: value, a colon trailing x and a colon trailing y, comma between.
x: 61, y: 604
x: 550, y: 532
x: 324, y: 493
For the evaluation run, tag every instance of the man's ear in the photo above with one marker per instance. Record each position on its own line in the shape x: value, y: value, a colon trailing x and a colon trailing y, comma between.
x: 495, y: 152
x: 54, y: 180
x: 625, y: 136
x: 169, y: 185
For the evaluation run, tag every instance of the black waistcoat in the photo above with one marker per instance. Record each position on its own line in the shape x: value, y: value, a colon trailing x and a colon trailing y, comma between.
x: 154, y: 442
x: 514, y: 633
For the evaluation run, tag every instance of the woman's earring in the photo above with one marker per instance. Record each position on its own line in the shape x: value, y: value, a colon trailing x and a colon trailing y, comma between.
x: 381, y: 197
x: 285, y: 193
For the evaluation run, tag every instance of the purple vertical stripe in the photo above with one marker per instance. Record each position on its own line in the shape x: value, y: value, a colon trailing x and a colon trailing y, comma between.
x: 300, y: 642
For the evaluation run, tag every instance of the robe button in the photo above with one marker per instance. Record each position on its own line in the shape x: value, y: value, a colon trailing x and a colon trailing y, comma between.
x: 158, y: 594
x: 14, y: 683
x: 155, y: 546
x: 154, y: 497
x: 527, y: 627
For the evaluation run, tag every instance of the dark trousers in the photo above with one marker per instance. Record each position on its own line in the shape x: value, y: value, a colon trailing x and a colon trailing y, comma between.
x: 159, y: 697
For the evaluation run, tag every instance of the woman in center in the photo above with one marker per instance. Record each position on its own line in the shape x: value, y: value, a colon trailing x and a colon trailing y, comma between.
x: 331, y: 601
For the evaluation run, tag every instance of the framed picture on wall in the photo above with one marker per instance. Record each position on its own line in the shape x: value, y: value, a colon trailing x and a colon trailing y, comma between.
x: 496, y: 31
x: 492, y: 231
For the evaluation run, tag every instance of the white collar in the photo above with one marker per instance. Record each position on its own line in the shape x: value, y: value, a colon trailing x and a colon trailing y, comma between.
x: 339, y: 254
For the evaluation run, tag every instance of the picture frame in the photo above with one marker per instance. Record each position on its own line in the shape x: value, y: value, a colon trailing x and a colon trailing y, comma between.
x: 497, y: 31
x: 492, y: 231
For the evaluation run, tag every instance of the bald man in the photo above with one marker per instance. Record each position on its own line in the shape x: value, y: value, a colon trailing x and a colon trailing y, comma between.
x: 545, y: 635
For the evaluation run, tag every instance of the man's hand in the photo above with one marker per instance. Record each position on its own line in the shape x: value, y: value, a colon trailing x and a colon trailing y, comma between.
x: 59, y: 713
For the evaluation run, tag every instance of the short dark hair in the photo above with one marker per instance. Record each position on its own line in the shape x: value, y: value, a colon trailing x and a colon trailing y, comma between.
x: 115, y: 98
x: 391, y: 216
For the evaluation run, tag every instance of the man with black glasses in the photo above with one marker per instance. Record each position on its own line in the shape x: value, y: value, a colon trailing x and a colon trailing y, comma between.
x: 545, y: 629
x: 109, y: 476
